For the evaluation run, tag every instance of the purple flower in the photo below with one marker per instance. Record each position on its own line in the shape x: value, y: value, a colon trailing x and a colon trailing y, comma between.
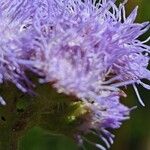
x: 98, y: 49
x: 90, y: 52
x: 15, y: 18
x: 87, y: 49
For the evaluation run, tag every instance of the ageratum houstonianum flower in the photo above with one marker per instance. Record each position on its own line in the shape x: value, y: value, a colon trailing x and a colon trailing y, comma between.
x: 88, y: 49
x: 15, y: 16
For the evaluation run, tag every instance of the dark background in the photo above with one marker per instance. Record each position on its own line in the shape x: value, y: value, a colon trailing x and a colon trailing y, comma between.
x: 134, y: 133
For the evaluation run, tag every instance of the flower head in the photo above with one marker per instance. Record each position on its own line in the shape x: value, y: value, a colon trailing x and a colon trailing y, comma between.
x: 88, y: 49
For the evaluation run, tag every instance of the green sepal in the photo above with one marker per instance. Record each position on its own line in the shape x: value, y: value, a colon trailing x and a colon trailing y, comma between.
x: 54, y: 112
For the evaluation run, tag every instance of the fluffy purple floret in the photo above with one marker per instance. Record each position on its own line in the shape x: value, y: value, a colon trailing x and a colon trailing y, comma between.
x: 97, y: 48
x: 15, y: 18
x: 88, y: 49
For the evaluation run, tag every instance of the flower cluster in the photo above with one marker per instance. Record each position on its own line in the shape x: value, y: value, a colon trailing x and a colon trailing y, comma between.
x: 88, y: 49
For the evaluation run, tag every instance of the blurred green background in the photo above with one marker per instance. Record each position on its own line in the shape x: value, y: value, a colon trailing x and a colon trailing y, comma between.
x: 134, y: 133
